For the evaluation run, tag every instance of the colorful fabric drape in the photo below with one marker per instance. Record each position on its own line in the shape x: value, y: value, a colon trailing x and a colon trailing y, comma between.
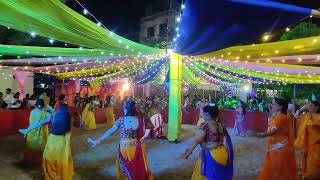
x: 21, y: 77
x: 53, y: 19
x: 209, y: 25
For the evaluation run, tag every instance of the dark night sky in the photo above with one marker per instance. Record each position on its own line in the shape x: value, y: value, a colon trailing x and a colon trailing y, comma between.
x: 122, y: 16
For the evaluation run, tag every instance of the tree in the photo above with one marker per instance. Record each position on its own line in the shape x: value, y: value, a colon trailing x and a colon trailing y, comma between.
x: 302, y: 30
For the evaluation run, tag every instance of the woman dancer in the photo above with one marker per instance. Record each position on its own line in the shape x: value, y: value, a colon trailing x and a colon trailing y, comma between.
x: 57, y: 159
x: 88, y: 117
x: 109, y: 112
x: 37, y: 138
x: 280, y: 161
x: 241, y: 111
x: 132, y: 162
x: 216, y: 159
x: 308, y: 140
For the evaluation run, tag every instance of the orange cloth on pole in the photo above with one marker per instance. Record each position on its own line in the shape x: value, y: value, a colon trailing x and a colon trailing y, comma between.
x: 280, y: 163
x: 309, y: 141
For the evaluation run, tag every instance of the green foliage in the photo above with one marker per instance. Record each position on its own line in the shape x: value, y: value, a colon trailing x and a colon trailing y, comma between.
x: 306, y: 91
x: 158, y: 43
x: 302, y: 30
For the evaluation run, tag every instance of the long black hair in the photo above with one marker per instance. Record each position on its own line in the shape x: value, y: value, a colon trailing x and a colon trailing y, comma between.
x: 108, y: 101
x: 316, y: 103
x: 283, y: 103
x: 130, y: 106
x: 244, y: 107
x: 213, y: 111
x: 40, y: 103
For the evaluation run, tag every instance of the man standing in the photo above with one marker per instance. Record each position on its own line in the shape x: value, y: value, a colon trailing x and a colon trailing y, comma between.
x: 77, y: 100
x: 9, y: 100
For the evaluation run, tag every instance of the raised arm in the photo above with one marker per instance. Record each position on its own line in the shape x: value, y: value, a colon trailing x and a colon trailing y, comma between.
x: 271, y: 131
x: 199, y: 136
x: 39, y: 124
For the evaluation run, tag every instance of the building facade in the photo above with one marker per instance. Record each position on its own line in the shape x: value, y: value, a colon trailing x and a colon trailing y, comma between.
x: 157, y: 28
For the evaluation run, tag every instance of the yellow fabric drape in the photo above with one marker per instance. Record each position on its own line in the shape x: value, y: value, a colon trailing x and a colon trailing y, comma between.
x: 94, y: 86
x: 308, y: 45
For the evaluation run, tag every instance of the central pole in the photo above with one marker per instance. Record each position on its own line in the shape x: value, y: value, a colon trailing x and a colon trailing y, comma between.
x: 174, y: 121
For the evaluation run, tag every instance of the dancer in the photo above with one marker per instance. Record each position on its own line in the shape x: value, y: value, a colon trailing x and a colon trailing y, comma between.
x: 132, y: 162
x: 60, y: 100
x: 109, y: 112
x: 216, y: 159
x: 88, y: 117
x: 241, y: 111
x: 308, y: 140
x: 57, y: 158
x: 37, y: 138
x: 279, y: 162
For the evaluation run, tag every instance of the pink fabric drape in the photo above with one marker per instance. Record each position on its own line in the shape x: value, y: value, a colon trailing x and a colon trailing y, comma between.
x: 77, y: 84
x: 21, y: 78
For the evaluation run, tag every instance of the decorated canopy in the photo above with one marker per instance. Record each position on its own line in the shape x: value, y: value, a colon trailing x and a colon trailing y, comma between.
x: 207, y: 47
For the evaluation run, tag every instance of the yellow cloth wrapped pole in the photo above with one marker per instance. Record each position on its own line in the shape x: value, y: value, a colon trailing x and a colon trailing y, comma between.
x: 174, y: 121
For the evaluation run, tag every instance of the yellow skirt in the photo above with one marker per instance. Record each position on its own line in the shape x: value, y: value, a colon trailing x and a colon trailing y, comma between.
x: 110, y: 116
x: 128, y: 153
x: 89, y: 120
x: 219, y: 154
x: 37, y: 138
x: 57, y: 158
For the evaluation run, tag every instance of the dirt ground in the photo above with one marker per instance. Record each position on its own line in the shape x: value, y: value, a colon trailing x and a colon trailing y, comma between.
x: 163, y: 157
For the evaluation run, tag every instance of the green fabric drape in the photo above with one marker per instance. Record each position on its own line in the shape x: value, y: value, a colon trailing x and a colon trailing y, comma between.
x: 53, y: 19
x: 51, y: 51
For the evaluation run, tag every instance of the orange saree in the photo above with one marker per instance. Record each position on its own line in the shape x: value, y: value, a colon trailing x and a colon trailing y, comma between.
x: 309, y: 141
x: 280, y: 161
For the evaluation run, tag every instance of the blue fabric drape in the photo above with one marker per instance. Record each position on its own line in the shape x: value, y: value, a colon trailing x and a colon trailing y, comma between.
x: 209, y: 25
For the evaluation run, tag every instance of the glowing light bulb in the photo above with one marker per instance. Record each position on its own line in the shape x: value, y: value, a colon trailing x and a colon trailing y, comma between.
x: 33, y: 34
x: 85, y: 12
x: 287, y: 29
x: 51, y: 41
x: 266, y: 37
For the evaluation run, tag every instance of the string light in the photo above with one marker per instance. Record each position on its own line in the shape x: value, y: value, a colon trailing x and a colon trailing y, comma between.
x: 51, y: 41
x: 266, y: 37
x: 33, y: 34
x: 85, y: 12
x: 287, y: 29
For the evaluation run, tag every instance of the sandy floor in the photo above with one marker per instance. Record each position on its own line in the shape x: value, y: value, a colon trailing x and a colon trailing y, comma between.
x: 98, y: 163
